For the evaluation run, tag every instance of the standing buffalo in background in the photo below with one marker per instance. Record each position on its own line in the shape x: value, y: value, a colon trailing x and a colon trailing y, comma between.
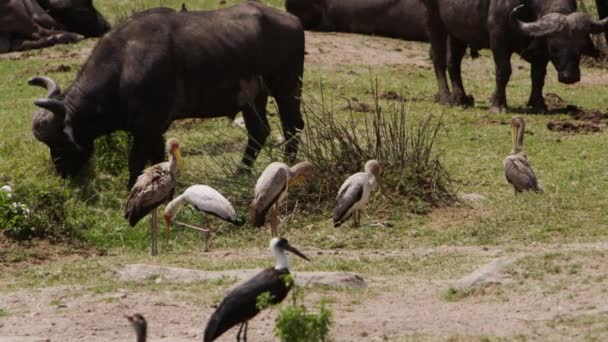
x: 31, y: 24
x: 390, y: 18
x: 602, y: 9
x: 552, y: 31
x: 201, y: 64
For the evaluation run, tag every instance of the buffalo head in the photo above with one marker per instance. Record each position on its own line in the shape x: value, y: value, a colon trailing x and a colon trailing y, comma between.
x: 310, y: 12
x: 49, y: 127
x: 566, y: 37
x: 78, y: 16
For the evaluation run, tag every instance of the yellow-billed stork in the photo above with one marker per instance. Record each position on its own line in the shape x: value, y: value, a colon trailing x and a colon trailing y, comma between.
x: 271, y: 188
x: 139, y: 324
x: 517, y: 168
x: 154, y: 186
x: 207, y: 200
x: 354, y: 193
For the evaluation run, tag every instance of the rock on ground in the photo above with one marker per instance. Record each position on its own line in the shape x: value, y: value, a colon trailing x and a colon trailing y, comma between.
x: 142, y: 272
x: 491, y: 273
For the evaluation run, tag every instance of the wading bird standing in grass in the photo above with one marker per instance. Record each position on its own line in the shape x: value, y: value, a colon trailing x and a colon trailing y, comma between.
x: 205, y: 199
x: 517, y: 169
x: 241, y: 304
x: 153, y: 187
x: 354, y: 193
x: 139, y: 324
x: 271, y: 189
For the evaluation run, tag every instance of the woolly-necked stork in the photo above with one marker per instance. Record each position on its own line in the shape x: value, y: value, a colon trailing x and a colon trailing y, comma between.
x: 240, y: 305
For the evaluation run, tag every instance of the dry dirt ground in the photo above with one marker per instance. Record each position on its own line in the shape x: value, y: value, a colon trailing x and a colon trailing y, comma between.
x: 555, y: 292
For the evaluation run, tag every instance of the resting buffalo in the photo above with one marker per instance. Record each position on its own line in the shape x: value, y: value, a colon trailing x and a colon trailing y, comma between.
x: 540, y: 31
x: 195, y: 64
x: 391, y: 18
x: 30, y: 24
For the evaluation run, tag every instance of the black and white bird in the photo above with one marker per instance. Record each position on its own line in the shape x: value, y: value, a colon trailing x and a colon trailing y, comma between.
x: 139, y: 324
x: 517, y: 168
x: 354, y: 193
x: 207, y: 200
x: 153, y: 187
x: 240, y: 305
x: 271, y: 189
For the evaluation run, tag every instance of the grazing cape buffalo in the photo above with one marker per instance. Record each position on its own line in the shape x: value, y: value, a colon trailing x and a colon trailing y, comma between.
x: 31, y: 24
x: 163, y: 65
x: 540, y: 31
x: 391, y: 18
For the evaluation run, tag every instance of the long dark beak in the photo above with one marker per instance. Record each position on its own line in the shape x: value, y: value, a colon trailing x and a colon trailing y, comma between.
x: 293, y: 250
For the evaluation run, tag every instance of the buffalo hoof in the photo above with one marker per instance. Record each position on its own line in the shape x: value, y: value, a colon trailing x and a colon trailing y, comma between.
x: 443, y: 100
x: 463, y: 100
x: 494, y: 109
x: 538, y: 106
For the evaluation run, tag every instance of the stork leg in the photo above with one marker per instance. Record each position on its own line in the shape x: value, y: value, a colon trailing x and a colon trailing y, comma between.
x: 238, y: 334
x: 356, y: 216
x: 154, y: 227
x: 245, y: 332
x: 206, y: 234
x: 274, y: 220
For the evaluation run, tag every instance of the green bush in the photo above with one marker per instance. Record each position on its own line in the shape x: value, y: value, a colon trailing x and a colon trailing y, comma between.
x: 36, y: 212
x: 295, y: 323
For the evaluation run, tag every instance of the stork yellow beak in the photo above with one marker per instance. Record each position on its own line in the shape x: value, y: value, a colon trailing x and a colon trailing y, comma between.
x: 296, y: 181
x: 167, y: 225
x: 178, y: 157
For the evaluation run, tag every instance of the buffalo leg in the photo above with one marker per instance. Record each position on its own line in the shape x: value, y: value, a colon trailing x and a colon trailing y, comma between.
x: 502, y: 60
x: 287, y: 91
x: 457, y: 51
x: 538, y: 73
x: 144, y: 150
x: 258, y: 129
x: 438, y: 37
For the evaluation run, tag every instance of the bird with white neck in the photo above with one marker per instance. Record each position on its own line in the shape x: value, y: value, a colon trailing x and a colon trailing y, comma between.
x: 271, y: 189
x: 354, y: 193
x: 240, y: 305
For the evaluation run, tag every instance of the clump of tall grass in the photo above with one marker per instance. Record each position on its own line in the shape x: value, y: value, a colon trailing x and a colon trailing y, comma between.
x: 339, y: 146
x: 405, y: 147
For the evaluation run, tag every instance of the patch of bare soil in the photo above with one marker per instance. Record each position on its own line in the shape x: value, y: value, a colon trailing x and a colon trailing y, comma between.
x: 356, y: 106
x: 581, y: 120
x: 17, y: 254
x: 353, y: 49
x: 541, y: 294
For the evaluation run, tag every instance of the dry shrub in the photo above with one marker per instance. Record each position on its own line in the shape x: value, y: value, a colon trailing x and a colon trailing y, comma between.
x: 405, y: 148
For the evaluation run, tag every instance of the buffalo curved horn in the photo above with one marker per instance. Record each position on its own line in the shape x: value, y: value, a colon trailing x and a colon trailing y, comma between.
x: 548, y: 24
x: 54, y: 105
x: 47, y: 83
x: 599, y: 26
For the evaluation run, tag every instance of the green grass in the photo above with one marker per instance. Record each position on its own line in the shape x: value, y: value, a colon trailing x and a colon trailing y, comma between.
x: 571, y: 168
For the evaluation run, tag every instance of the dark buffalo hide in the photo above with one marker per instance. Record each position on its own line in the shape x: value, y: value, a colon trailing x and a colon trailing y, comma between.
x: 161, y: 65
x: 31, y: 24
x: 391, y: 18
x: 541, y: 31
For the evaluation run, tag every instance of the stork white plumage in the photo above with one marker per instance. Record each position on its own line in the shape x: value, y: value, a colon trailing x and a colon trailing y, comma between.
x: 354, y: 193
x: 271, y: 189
x: 207, y: 200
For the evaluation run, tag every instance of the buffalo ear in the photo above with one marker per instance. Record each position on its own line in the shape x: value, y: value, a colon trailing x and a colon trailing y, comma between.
x: 534, y: 51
